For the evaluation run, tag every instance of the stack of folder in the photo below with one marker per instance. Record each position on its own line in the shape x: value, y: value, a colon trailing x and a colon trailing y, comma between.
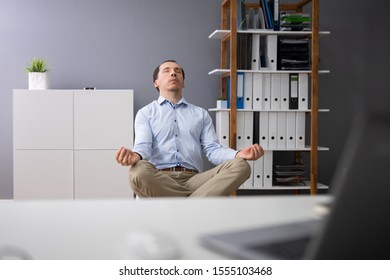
x: 285, y: 174
x: 295, y: 22
x: 293, y: 53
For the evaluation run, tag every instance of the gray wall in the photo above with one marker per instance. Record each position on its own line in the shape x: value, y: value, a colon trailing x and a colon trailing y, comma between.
x: 107, y: 44
x: 116, y: 44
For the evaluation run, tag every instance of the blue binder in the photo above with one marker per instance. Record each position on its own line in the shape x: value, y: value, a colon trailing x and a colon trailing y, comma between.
x: 240, y: 91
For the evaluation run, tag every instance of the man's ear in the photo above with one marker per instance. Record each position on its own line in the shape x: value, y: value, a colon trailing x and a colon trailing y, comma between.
x: 155, y: 84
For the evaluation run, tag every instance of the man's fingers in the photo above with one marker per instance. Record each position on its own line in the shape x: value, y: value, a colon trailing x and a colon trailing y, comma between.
x: 118, y: 154
x: 257, y: 151
x: 123, y: 156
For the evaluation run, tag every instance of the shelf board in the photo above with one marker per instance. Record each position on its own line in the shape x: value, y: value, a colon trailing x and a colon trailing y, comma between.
x: 221, y: 33
x: 307, y: 148
x: 286, y: 33
x: 254, y: 110
x: 289, y: 187
x: 219, y: 71
x: 227, y: 71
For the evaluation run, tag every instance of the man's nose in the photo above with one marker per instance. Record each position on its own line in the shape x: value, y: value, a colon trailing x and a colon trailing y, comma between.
x: 173, y: 74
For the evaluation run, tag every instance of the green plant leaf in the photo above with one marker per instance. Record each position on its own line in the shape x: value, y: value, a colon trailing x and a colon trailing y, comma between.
x: 37, y: 65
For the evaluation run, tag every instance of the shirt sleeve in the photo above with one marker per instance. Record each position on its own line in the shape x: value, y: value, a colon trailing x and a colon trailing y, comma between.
x: 143, y: 134
x: 213, y: 150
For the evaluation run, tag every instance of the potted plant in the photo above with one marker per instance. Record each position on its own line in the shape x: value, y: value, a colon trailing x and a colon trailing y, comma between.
x: 222, y: 102
x: 37, y: 74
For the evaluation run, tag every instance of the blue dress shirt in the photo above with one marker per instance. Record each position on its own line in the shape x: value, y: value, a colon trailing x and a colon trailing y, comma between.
x: 169, y: 135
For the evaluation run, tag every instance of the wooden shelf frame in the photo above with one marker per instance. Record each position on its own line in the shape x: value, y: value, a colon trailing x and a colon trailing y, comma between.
x: 229, y: 54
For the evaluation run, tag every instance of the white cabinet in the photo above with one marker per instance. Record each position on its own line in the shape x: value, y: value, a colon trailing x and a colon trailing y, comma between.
x: 43, y: 119
x: 43, y: 174
x: 103, y: 119
x: 65, y: 142
x: 98, y: 175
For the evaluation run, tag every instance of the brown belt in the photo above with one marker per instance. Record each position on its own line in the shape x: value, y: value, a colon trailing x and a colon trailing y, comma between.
x: 179, y: 169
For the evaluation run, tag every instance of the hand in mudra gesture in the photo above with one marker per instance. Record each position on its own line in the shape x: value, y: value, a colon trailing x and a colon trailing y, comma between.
x: 126, y: 157
x: 252, y: 152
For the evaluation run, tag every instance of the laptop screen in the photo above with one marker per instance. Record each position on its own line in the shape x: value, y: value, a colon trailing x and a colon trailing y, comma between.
x: 356, y: 227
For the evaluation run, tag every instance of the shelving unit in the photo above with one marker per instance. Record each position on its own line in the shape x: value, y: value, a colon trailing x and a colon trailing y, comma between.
x: 228, y: 70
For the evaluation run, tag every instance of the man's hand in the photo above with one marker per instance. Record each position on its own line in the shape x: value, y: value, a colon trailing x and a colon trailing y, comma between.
x: 126, y: 157
x: 252, y: 152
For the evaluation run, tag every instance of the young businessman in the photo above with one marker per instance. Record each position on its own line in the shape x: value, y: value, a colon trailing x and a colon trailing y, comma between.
x: 170, y: 135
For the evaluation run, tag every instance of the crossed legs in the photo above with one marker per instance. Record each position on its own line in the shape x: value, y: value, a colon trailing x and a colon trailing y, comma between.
x: 147, y: 181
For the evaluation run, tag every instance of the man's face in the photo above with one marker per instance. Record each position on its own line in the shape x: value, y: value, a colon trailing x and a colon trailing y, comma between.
x: 170, y: 77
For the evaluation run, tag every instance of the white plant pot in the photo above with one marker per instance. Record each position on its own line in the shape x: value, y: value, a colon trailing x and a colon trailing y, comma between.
x: 222, y: 104
x: 38, y: 80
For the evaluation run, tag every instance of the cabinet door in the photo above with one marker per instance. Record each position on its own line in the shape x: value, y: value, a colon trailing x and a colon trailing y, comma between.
x: 43, y: 119
x: 103, y: 119
x: 43, y: 174
x: 98, y: 175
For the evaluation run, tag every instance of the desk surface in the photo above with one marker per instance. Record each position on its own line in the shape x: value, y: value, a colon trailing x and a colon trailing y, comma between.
x: 99, y: 229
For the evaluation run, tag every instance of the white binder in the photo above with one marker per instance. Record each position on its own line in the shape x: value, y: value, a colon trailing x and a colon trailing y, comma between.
x: 263, y: 129
x: 272, y: 129
x: 255, y: 63
x: 240, y: 130
x: 248, y: 90
x: 271, y: 55
x: 300, y: 129
x: 290, y: 130
x: 248, y: 129
x: 275, y: 91
x: 266, y: 91
x: 303, y: 91
x: 248, y: 184
x: 281, y: 136
x: 258, y: 90
x: 222, y: 124
x: 258, y: 173
x: 258, y: 82
x: 284, y: 91
x: 267, y: 174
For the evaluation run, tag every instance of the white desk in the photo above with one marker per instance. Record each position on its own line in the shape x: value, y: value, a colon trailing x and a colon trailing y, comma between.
x: 98, y: 229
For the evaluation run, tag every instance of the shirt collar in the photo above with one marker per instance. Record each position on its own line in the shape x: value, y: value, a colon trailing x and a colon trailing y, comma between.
x: 162, y: 100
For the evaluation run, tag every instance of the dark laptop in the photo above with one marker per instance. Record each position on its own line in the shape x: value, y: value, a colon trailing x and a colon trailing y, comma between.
x: 357, y: 224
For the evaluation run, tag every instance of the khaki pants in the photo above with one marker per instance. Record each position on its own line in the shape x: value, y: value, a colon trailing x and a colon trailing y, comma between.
x: 222, y: 180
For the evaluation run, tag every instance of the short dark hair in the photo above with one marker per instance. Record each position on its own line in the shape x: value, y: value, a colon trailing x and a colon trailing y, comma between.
x: 155, y: 72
